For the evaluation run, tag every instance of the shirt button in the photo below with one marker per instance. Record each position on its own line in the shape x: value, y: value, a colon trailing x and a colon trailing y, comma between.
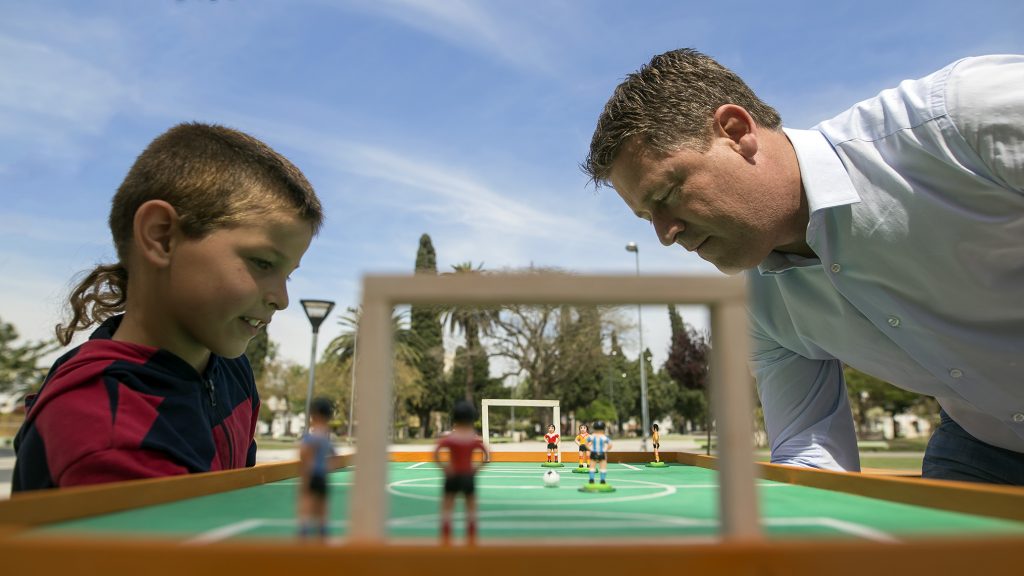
x: 956, y: 372
x: 1018, y: 417
x: 836, y: 268
x: 894, y: 321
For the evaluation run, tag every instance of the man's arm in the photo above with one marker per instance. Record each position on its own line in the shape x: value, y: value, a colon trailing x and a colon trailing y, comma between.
x: 806, y: 411
x: 985, y: 101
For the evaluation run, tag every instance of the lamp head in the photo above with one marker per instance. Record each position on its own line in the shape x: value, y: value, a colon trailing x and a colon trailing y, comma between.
x: 317, y: 311
x: 632, y: 247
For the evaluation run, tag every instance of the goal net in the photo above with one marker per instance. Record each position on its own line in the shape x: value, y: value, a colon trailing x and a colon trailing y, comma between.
x: 487, y: 404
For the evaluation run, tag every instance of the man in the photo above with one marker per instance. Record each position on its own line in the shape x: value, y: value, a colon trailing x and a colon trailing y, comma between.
x: 890, y: 237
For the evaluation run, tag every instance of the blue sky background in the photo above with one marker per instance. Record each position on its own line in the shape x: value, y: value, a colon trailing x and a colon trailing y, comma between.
x: 465, y: 120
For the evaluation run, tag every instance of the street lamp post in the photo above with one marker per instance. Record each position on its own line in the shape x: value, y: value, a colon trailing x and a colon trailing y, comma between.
x: 632, y: 247
x: 316, y: 311
x: 352, y: 388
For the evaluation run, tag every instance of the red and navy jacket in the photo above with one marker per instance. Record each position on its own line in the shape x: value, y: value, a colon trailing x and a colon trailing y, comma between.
x: 111, y: 410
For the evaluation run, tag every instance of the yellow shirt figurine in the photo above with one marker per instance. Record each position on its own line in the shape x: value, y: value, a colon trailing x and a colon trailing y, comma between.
x: 581, y: 439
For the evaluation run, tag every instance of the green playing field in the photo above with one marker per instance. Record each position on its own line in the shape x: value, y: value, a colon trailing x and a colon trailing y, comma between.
x: 648, y: 504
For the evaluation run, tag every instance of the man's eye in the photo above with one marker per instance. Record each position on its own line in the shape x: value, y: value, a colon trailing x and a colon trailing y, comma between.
x: 262, y: 264
x: 667, y: 195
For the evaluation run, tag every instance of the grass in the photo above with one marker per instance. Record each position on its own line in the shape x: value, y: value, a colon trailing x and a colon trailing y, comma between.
x: 276, y: 444
x: 897, y: 462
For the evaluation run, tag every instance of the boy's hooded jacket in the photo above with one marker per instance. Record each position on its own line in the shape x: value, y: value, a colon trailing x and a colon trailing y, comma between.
x: 112, y: 411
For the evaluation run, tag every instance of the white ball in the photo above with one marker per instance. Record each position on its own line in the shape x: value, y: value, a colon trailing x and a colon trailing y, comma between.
x: 551, y: 478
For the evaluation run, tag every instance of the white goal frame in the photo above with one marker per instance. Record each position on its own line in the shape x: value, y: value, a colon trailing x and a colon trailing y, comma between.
x: 556, y: 417
x: 731, y: 382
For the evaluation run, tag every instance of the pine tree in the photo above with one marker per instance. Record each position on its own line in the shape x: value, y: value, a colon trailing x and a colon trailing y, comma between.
x: 427, y: 329
x: 687, y: 365
x: 19, y: 365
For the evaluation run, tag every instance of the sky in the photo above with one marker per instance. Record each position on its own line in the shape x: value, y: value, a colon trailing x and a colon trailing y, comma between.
x: 465, y: 120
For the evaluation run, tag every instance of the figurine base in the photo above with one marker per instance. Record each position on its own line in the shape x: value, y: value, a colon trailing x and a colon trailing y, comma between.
x: 552, y: 465
x: 657, y: 465
x: 597, y: 488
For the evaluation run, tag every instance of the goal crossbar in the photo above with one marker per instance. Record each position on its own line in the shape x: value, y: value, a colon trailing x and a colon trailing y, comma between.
x: 486, y: 404
x: 730, y: 377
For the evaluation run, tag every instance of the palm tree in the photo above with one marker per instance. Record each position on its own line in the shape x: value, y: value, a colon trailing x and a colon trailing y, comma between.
x: 343, y: 347
x: 341, y: 352
x: 472, y: 321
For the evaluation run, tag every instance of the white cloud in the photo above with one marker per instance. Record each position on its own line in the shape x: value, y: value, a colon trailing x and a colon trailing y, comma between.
x: 457, y: 196
x: 53, y: 230
x: 476, y: 27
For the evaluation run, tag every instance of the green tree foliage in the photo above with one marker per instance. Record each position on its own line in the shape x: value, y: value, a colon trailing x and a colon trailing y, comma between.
x: 579, y: 375
x: 342, y: 351
x: 866, y: 392
x: 20, y: 371
x: 427, y: 328
x: 622, y: 381
x: 259, y: 351
x: 687, y: 366
x: 473, y: 322
x: 599, y: 409
x: 483, y: 385
x: 662, y: 391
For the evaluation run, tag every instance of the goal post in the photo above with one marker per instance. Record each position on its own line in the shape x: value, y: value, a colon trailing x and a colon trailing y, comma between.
x: 731, y: 387
x: 485, y: 405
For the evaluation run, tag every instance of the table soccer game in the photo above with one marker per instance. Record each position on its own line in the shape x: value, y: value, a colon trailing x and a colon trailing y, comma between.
x: 504, y: 288
x: 387, y: 509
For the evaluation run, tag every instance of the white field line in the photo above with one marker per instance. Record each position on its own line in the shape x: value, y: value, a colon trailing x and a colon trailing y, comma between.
x: 416, y: 465
x: 393, y: 488
x: 629, y: 466
x: 861, y: 530
x: 549, y: 520
x: 539, y: 468
x: 230, y: 530
x: 296, y: 483
x: 424, y: 483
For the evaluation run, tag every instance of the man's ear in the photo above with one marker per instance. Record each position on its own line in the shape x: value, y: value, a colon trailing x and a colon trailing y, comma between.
x: 154, y: 227
x: 735, y: 123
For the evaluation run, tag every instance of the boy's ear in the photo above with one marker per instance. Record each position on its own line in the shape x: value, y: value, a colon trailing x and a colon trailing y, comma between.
x: 154, y: 227
x: 738, y: 126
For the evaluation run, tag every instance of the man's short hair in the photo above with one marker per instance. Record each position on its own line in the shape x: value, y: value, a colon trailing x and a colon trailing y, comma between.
x: 670, y: 103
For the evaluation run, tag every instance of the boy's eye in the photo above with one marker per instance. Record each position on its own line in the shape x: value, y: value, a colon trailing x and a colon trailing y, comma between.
x: 262, y: 264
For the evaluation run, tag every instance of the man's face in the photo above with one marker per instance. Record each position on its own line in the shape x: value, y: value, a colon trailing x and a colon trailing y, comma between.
x: 715, y: 203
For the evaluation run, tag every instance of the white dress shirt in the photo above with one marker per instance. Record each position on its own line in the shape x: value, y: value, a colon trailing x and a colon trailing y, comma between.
x: 916, y: 201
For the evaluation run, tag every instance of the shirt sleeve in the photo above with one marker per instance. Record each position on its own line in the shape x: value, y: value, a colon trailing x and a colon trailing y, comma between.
x: 985, y: 101
x: 115, y: 465
x: 806, y: 411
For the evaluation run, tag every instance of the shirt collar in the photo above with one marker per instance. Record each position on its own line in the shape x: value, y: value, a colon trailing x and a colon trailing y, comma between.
x: 826, y: 185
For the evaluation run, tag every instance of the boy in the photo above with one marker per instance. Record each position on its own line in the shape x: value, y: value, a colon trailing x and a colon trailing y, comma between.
x: 208, y: 224
x: 460, y: 471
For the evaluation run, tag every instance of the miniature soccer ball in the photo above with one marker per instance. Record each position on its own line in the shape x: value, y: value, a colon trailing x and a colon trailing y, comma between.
x: 551, y: 479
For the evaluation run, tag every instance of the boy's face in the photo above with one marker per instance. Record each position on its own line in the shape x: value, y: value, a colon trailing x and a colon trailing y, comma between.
x: 225, y: 287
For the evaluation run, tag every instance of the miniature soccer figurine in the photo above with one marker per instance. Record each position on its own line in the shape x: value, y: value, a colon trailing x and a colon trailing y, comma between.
x: 655, y: 441
x: 581, y: 439
x: 552, y: 439
x: 460, y: 471
x: 599, y: 446
x: 313, y: 453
